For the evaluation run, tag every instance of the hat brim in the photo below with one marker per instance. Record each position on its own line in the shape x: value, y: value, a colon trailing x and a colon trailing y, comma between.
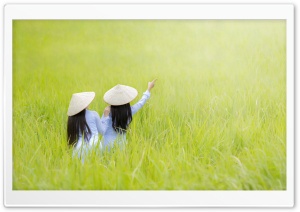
x: 120, y: 95
x: 79, y: 104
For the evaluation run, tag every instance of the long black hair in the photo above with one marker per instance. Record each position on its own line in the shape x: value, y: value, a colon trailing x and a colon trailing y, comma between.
x: 77, y: 124
x: 121, y: 117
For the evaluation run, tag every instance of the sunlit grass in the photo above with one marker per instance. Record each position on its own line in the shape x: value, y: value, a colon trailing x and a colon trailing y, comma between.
x: 216, y: 119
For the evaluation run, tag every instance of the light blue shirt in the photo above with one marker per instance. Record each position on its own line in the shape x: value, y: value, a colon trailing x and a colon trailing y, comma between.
x: 97, y: 126
x: 110, y: 135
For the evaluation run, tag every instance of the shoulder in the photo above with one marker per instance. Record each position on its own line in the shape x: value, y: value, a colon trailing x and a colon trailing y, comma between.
x: 92, y: 113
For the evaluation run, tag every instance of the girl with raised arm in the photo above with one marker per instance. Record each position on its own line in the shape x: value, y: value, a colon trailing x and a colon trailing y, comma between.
x: 120, y: 112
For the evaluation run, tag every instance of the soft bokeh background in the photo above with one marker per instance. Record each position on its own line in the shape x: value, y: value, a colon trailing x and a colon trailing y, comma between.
x: 215, y: 120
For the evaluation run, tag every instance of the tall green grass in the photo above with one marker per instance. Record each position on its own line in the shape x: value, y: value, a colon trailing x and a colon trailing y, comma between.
x: 216, y: 119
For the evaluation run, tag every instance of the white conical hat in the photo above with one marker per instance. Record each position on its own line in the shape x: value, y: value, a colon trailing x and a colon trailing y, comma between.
x: 120, y: 95
x: 79, y: 102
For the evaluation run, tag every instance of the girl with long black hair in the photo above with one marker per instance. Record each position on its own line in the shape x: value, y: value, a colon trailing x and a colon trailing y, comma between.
x: 84, y: 125
x: 120, y: 117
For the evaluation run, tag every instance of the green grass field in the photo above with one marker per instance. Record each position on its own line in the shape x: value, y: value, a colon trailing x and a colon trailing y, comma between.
x: 216, y: 119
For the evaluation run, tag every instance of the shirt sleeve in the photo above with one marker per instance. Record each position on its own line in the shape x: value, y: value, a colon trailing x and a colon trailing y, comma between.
x: 102, y: 123
x: 140, y: 103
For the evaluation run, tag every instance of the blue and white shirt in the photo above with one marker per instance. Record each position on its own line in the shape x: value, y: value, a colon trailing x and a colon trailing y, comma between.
x: 97, y: 126
x: 110, y: 135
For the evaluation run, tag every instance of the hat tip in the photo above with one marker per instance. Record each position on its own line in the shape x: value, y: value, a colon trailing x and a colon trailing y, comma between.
x: 118, y: 86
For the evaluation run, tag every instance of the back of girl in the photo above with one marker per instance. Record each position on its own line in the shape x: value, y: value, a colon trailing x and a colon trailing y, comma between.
x: 120, y: 113
x: 84, y: 126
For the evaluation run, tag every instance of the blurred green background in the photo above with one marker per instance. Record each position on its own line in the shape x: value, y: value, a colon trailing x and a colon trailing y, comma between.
x: 216, y: 118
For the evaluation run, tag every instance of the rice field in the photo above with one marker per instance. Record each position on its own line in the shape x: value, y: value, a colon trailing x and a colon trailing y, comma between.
x: 216, y: 119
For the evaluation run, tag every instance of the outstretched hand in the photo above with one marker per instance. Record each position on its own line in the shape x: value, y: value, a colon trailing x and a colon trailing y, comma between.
x: 151, y: 84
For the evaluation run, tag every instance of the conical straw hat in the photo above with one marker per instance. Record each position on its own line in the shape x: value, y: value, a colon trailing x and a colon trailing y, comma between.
x: 79, y: 102
x: 120, y: 95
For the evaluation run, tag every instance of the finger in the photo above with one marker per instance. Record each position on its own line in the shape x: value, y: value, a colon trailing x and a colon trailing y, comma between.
x: 154, y: 81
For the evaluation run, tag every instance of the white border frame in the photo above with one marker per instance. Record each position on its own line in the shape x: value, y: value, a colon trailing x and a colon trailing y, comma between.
x: 14, y: 198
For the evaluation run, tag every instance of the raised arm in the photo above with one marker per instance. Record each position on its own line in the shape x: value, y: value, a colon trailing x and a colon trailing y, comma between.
x: 140, y: 103
x: 102, y: 124
x: 145, y: 97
